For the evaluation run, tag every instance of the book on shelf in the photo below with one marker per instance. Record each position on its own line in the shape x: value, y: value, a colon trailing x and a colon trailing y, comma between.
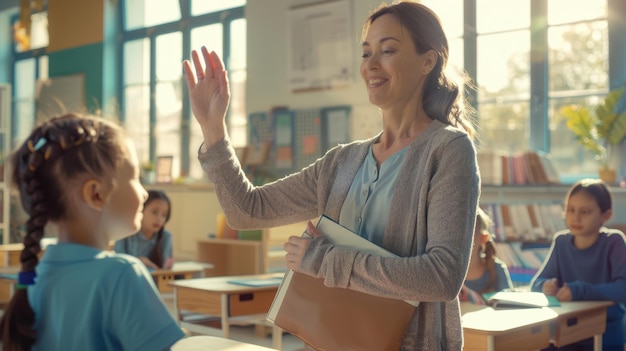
x: 340, y: 319
x: 528, y: 222
x: 519, y: 168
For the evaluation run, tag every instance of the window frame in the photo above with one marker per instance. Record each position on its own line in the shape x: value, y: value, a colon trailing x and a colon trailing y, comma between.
x: 185, y: 25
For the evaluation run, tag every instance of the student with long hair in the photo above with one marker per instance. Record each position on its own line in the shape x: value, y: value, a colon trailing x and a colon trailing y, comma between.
x: 152, y: 244
x: 486, y: 272
x: 81, y: 175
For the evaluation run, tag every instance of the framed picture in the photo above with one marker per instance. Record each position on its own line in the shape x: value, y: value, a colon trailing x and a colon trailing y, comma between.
x: 164, y: 169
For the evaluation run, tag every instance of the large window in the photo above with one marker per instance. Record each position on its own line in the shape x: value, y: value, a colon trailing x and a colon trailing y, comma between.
x: 158, y: 35
x: 578, y: 69
x: 30, y: 64
x: 527, y: 59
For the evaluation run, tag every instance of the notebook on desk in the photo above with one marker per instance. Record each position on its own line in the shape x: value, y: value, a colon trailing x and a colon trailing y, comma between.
x: 340, y: 319
x: 518, y: 299
x: 258, y: 282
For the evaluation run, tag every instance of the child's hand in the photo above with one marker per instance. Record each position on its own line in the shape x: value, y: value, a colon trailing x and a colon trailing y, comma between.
x: 564, y: 293
x: 209, y: 92
x: 551, y: 286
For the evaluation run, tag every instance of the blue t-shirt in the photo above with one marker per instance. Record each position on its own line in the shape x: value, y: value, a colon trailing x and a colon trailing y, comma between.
x: 88, y: 299
x: 503, y: 279
x: 137, y: 245
x: 595, y: 273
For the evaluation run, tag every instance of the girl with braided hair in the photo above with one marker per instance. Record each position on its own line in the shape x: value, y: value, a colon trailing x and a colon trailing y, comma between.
x: 152, y: 244
x: 81, y: 175
x: 486, y: 273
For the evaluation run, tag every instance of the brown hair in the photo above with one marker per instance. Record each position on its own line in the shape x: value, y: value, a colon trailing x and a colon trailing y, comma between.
x: 442, y: 99
x: 55, y: 155
x: 483, y: 222
x: 597, y: 188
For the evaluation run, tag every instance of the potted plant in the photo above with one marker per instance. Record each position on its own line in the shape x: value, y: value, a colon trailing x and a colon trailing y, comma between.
x: 600, y: 131
x: 149, y: 174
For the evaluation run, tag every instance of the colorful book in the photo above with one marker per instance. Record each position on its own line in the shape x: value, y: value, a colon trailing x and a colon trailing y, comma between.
x: 340, y: 319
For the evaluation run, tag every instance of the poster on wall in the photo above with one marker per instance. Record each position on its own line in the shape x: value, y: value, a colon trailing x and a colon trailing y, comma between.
x: 319, y: 42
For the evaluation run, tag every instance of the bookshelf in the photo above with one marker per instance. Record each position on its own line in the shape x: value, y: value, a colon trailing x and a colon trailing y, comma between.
x: 5, y: 148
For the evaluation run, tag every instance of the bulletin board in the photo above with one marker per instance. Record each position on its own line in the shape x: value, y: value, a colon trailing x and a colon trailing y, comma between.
x: 308, y: 136
x: 283, y: 138
x: 335, y: 126
x: 297, y: 138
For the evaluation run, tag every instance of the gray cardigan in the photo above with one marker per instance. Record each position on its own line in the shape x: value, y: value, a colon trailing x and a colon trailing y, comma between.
x: 431, y: 223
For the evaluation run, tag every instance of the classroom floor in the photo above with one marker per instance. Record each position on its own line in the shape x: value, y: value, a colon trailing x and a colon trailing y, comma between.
x: 246, y: 334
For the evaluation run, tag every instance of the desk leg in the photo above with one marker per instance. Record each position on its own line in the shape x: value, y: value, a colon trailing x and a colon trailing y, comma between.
x: 225, y: 318
x: 491, y: 343
x: 175, y: 309
x: 277, y: 337
x: 597, y: 342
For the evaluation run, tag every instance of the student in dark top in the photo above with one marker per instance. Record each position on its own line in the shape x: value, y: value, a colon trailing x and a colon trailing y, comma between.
x: 588, y: 261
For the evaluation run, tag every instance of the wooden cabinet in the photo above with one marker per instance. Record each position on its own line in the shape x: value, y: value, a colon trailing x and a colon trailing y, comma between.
x: 231, y: 256
x: 241, y: 257
x: 193, y: 217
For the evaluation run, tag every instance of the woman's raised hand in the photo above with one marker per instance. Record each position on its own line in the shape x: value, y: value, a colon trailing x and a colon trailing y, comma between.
x: 209, y: 93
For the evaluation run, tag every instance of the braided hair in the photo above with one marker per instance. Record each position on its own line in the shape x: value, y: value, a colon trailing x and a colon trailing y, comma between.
x: 56, y: 155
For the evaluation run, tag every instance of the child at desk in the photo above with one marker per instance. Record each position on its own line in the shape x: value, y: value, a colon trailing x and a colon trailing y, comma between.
x: 152, y: 244
x: 486, y: 273
x: 81, y: 174
x: 588, y: 261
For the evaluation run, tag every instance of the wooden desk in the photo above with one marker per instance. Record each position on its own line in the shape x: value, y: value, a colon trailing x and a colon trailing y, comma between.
x: 485, y: 328
x: 231, y: 256
x: 7, y: 283
x: 217, y: 297
x: 580, y: 320
x: 180, y: 270
x: 214, y: 343
x: 10, y: 254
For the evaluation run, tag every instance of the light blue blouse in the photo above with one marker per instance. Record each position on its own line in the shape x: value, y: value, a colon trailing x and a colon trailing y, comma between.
x: 366, y: 208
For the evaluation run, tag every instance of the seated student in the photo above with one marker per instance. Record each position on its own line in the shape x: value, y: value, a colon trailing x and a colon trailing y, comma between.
x: 152, y: 244
x: 81, y: 175
x: 486, y: 273
x: 588, y: 261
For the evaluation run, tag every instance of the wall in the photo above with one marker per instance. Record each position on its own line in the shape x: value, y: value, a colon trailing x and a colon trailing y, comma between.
x: 267, y: 52
x: 6, y: 40
x: 78, y: 45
